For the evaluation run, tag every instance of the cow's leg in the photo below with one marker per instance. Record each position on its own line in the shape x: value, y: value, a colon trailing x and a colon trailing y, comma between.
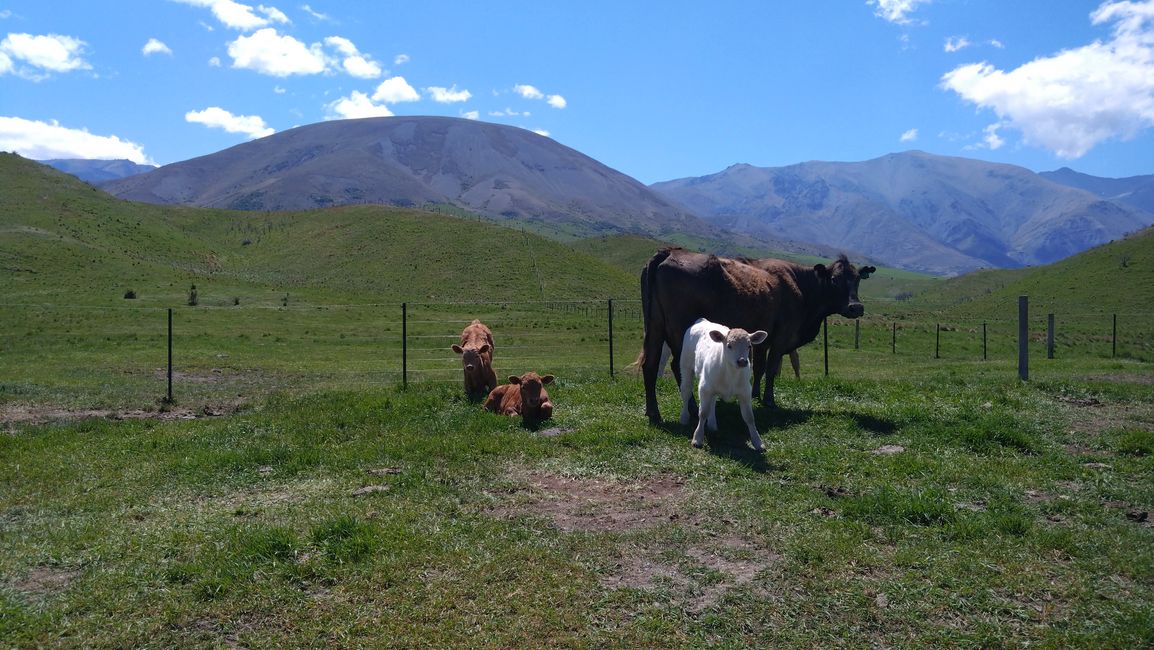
x: 796, y: 363
x: 757, y: 361
x: 774, y: 362
x: 746, y: 402
x: 686, y: 396
x: 680, y: 372
x: 546, y: 410
x: 652, y: 351
x: 708, y: 406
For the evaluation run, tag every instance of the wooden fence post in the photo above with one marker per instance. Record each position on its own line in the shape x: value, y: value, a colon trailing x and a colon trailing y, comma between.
x: 611, y: 338
x: 1023, y: 338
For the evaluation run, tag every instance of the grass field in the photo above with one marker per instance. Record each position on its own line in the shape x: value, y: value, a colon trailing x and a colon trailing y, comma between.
x: 295, y: 494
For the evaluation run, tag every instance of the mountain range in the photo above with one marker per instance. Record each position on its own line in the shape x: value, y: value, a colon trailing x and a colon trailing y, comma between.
x: 912, y: 210
x: 938, y: 214
x: 98, y: 171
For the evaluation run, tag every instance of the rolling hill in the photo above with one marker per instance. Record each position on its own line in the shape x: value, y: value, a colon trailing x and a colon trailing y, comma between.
x: 497, y: 171
x: 913, y: 210
x: 98, y: 171
x: 64, y: 242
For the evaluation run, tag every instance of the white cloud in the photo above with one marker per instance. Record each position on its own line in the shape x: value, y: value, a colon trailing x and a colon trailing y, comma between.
x: 956, y: 43
x: 1073, y: 100
x: 356, y: 105
x: 896, y: 11
x: 154, y: 46
x: 51, y: 53
x: 528, y: 92
x: 996, y: 43
x: 280, y: 90
x: 48, y: 140
x: 215, y: 117
x: 909, y: 136
x: 395, y: 90
x: 443, y: 95
x: 267, y: 52
x: 214, y: 62
x: 471, y: 115
x: 354, y: 63
x: 315, y: 14
x: 557, y: 101
x: 235, y: 15
x: 401, y: 59
x: 508, y: 112
x: 541, y: 132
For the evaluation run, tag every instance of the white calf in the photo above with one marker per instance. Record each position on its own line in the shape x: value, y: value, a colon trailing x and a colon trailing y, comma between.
x: 719, y: 358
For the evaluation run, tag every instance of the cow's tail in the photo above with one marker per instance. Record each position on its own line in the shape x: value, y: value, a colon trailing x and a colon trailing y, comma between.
x: 649, y: 297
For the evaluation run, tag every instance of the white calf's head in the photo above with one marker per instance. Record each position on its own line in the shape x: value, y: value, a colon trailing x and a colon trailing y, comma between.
x: 738, y: 343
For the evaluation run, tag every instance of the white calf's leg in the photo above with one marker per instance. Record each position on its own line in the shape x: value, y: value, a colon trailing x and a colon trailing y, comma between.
x: 747, y: 415
x: 708, y: 404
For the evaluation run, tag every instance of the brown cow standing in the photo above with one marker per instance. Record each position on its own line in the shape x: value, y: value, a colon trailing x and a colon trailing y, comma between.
x: 476, y: 350
x: 525, y: 396
x: 789, y: 301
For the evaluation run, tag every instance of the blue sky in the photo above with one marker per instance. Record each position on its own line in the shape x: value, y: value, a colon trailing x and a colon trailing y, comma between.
x: 657, y: 90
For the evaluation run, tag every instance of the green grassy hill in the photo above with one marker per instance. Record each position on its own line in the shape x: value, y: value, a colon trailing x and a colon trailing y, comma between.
x: 64, y: 241
x: 1113, y: 278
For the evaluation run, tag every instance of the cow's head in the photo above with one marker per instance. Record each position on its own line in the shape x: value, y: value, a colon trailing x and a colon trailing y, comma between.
x: 471, y: 357
x: 839, y: 283
x: 737, y: 345
x: 532, y: 387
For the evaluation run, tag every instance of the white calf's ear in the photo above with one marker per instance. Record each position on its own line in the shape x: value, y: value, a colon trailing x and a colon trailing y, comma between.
x: 458, y: 349
x: 758, y: 337
x: 717, y: 336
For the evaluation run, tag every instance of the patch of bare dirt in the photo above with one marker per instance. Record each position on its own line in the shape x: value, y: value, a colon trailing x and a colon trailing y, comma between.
x: 44, y: 581
x: 696, y: 574
x: 597, y: 505
x: 14, y: 416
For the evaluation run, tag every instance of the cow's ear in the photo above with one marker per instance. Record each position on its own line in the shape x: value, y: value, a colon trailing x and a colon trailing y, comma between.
x: 547, y: 379
x: 514, y: 379
x: 483, y: 349
x: 821, y: 271
x: 758, y: 337
x: 716, y: 335
x: 458, y: 349
x: 866, y: 271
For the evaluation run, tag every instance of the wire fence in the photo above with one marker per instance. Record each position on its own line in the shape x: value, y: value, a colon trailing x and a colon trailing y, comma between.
x: 217, y: 349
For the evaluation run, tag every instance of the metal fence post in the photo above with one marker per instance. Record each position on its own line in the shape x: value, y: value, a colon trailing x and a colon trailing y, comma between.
x: 825, y: 343
x: 611, y: 338
x: 1023, y: 338
x: 983, y: 341
x: 894, y: 340
x: 404, y: 345
x: 169, y: 399
x: 1114, y: 338
x: 1050, y: 336
x: 856, y: 334
x: 937, y: 341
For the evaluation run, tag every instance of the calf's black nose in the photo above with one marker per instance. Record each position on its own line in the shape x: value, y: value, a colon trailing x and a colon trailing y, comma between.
x: 742, y: 362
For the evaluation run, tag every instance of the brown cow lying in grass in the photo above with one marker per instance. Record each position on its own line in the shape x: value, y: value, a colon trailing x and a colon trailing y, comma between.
x: 476, y: 350
x: 524, y: 396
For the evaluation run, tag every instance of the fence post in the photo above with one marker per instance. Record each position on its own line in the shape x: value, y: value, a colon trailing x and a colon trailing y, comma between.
x: 894, y: 340
x: 169, y: 398
x: 611, y: 338
x: 937, y: 341
x: 1023, y: 338
x: 1050, y: 336
x: 1114, y: 339
x: 404, y: 345
x: 856, y: 334
x: 825, y: 343
x: 983, y: 341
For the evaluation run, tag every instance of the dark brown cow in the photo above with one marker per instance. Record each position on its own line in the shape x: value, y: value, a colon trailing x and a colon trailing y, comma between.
x: 525, y: 396
x: 476, y: 350
x: 787, y: 300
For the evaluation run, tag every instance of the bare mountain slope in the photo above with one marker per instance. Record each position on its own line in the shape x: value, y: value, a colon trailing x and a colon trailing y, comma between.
x: 913, y: 210
x: 494, y: 170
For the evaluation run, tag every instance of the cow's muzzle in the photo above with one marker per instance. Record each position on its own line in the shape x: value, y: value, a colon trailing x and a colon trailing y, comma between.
x: 854, y: 310
x: 742, y: 362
